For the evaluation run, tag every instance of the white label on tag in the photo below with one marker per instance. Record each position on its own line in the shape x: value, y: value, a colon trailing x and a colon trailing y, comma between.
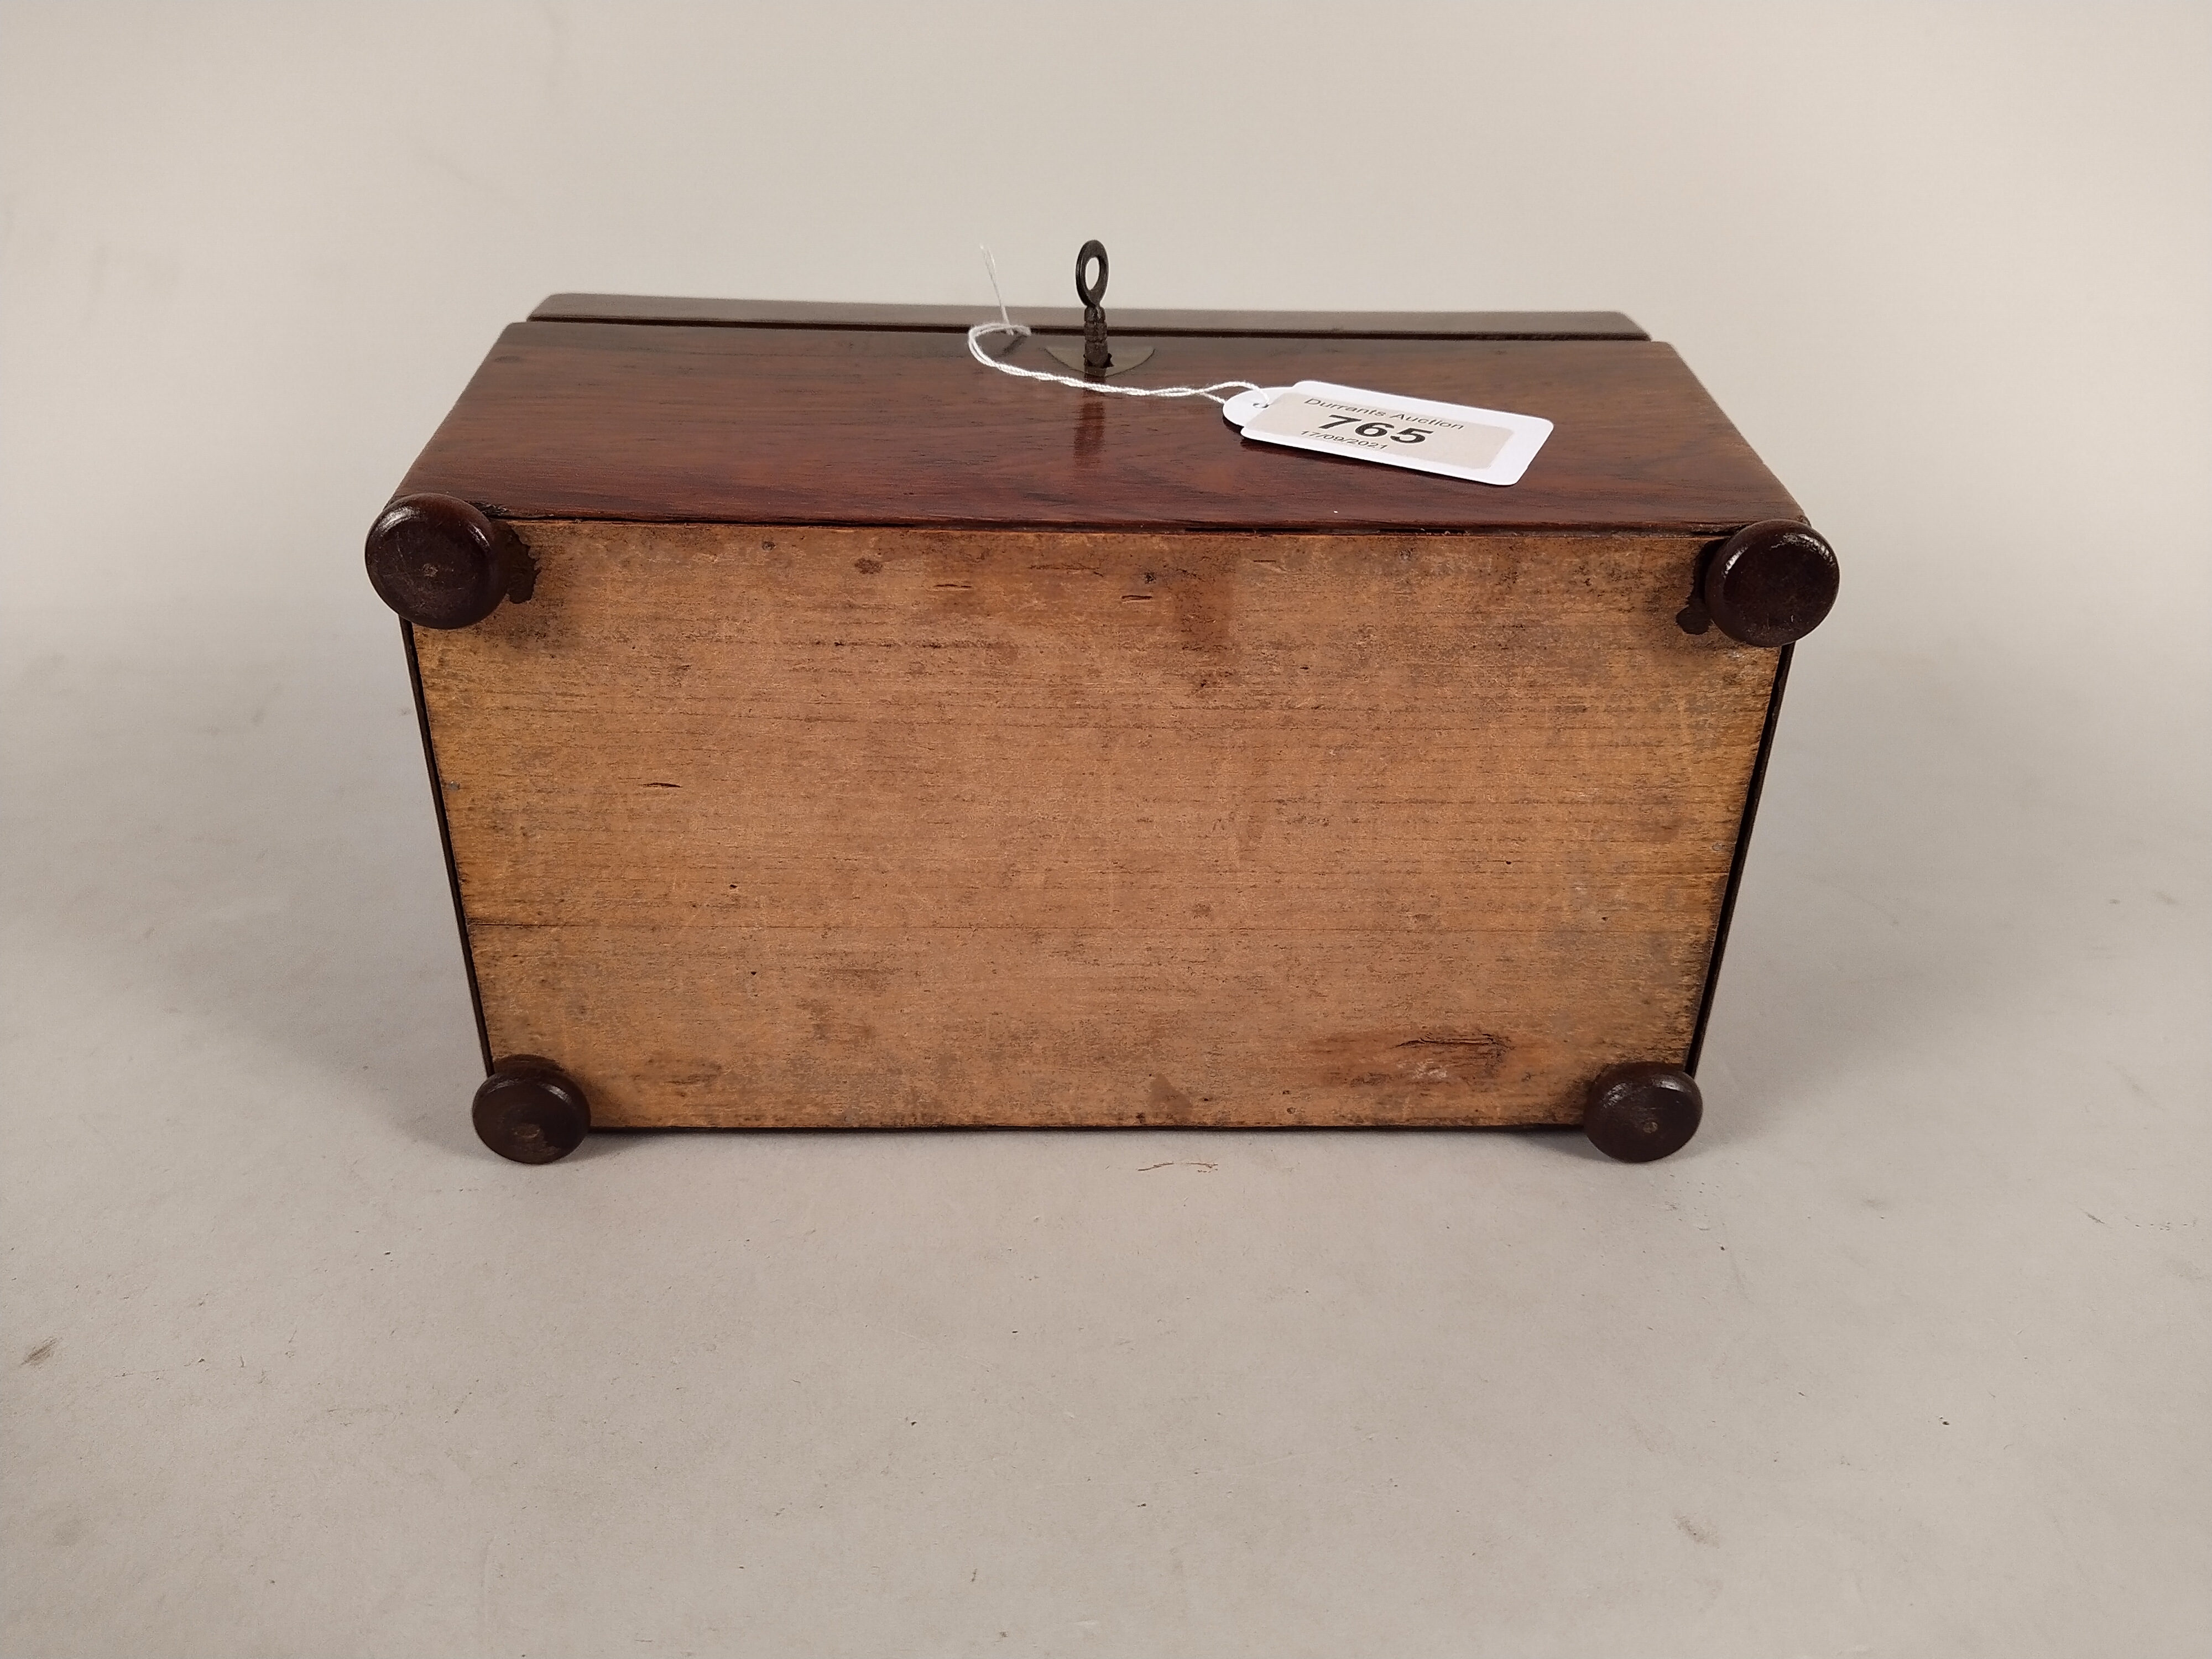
x: 1487, y: 446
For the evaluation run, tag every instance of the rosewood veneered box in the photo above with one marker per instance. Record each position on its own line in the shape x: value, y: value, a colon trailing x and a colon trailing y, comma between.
x: 828, y: 731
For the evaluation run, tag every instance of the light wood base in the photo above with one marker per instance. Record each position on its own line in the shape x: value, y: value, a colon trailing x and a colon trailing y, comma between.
x: 775, y: 827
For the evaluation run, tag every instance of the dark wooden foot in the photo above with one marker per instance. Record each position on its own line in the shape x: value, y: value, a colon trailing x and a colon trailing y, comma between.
x: 442, y: 563
x: 1642, y: 1111
x: 1770, y: 584
x: 531, y: 1110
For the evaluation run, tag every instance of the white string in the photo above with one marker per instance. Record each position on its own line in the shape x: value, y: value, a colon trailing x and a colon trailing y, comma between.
x: 992, y: 265
x: 1006, y: 325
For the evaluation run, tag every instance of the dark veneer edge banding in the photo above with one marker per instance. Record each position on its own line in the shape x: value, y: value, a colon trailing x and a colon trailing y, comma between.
x: 1742, y: 853
x: 1067, y: 319
x: 445, y: 839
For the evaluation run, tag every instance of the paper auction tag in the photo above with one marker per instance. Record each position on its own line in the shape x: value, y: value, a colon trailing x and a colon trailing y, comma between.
x: 1487, y: 446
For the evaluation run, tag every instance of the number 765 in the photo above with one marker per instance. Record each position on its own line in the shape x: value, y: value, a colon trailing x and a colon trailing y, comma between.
x: 1403, y: 435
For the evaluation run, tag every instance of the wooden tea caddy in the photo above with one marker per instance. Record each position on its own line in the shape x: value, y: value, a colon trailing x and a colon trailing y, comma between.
x: 829, y: 732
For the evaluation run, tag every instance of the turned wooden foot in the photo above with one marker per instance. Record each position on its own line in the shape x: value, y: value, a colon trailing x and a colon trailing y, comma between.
x: 1642, y: 1111
x: 442, y: 562
x: 531, y: 1110
x: 1770, y: 584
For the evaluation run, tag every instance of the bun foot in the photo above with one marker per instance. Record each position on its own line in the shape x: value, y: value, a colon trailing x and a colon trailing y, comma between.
x: 531, y: 1110
x: 442, y: 562
x: 1770, y: 584
x: 1642, y: 1111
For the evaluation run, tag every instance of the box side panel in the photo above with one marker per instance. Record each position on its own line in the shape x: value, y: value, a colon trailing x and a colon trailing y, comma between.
x: 445, y: 836
x: 775, y: 827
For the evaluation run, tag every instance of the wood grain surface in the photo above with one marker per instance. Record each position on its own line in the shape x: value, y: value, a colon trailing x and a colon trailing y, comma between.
x: 1068, y: 319
x: 758, y: 826
x: 850, y: 426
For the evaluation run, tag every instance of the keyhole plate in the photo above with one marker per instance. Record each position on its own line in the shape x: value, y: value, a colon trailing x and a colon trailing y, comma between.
x: 1125, y: 357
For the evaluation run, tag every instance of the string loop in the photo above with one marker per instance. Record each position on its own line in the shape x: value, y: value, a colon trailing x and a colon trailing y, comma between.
x: 1006, y: 325
x: 975, y: 349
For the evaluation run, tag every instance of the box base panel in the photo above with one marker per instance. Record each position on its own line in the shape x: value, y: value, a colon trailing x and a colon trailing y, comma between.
x: 810, y: 827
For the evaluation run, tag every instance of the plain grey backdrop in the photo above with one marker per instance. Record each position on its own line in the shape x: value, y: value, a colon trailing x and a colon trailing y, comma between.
x: 1909, y: 1353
